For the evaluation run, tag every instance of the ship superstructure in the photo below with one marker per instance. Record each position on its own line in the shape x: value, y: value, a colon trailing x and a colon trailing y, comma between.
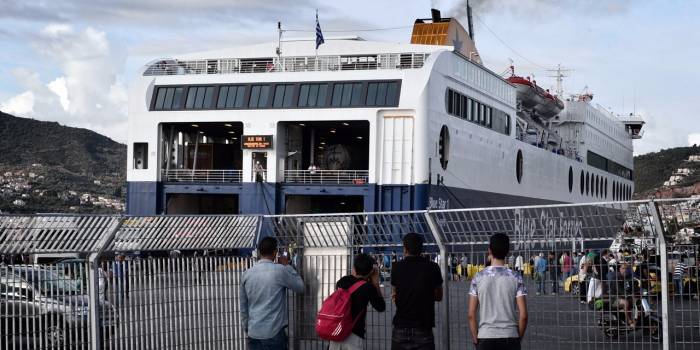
x: 361, y: 126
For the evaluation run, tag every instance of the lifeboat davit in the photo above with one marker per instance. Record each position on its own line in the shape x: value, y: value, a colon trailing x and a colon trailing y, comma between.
x: 534, y: 97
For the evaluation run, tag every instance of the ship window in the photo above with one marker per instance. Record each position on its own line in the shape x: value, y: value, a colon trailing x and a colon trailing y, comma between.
x: 519, y: 166
x: 391, y: 94
x: 597, y: 186
x: 614, y: 188
x: 313, y: 95
x: 346, y: 94
x: 475, y: 112
x: 488, y: 116
x: 259, y: 95
x: 582, y: 182
x: 464, y: 110
x: 230, y: 97
x: 571, y: 179
x: 200, y: 97
x: 168, y: 98
x: 283, y: 95
x: 588, y: 183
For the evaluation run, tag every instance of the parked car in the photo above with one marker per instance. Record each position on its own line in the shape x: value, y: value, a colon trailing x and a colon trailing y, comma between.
x: 42, y: 307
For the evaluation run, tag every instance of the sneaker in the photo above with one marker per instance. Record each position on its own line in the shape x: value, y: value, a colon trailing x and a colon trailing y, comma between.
x: 538, y: 293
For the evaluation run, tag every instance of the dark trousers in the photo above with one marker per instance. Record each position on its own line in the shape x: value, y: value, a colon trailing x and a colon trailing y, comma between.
x: 412, y: 339
x: 498, y: 344
x: 278, y: 342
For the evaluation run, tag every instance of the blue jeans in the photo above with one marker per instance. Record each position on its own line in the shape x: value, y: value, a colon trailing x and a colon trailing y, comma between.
x: 278, y: 342
x: 412, y: 339
x: 679, y: 286
x: 540, y: 282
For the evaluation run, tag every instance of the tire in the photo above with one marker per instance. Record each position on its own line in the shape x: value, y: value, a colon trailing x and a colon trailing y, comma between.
x: 54, y: 332
x: 575, y: 288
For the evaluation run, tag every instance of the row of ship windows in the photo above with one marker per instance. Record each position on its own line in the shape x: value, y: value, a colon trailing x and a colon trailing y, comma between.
x: 597, y: 186
x: 474, y: 111
x: 597, y: 161
x: 278, y: 95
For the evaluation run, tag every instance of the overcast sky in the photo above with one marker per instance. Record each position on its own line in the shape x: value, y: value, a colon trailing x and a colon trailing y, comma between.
x: 71, y: 60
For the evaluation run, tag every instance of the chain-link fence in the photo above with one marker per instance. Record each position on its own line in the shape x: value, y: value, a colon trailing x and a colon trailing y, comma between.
x: 620, y: 275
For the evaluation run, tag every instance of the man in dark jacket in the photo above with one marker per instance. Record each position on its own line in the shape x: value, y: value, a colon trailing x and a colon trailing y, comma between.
x: 417, y: 285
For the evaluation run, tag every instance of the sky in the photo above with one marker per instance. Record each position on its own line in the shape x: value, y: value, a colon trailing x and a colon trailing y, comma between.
x: 71, y: 61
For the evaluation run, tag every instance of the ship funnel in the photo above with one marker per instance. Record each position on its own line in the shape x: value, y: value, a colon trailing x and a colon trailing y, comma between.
x: 436, y: 15
x: 437, y: 30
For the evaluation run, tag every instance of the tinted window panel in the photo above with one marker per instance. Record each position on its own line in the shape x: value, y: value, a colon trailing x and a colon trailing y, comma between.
x: 322, y: 95
x: 223, y: 93
x: 254, y: 96
x: 347, y: 94
x: 288, y: 94
x: 209, y: 97
x: 356, y: 94
x: 168, y: 104
x: 391, y: 92
x: 199, y: 101
x: 264, y: 96
x: 381, y: 94
x: 313, y: 95
x: 191, y: 94
x: 304, y: 95
x: 177, y: 98
x: 337, y: 94
x: 160, y: 98
x: 279, y: 96
x: 372, y: 94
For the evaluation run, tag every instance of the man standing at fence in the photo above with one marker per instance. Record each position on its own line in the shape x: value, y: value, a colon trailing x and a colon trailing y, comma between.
x: 540, y: 273
x: 494, y: 293
x: 264, y: 297
x: 369, y: 292
x: 417, y: 285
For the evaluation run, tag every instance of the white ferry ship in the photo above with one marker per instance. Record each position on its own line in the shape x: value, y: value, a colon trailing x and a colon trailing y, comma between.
x: 358, y: 126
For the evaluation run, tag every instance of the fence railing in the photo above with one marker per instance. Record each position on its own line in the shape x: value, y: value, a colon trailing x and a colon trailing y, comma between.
x: 355, y: 177
x: 287, y: 64
x: 199, y: 175
x: 174, y: 281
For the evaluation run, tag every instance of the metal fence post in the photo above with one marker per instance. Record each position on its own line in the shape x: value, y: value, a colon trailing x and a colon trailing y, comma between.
x: 658, y: 225
x: 94, y: 292
x: 432, y: 225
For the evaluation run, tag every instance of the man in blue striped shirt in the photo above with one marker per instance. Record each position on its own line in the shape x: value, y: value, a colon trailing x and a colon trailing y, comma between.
x: 264, y: 297
x: 678, y: 274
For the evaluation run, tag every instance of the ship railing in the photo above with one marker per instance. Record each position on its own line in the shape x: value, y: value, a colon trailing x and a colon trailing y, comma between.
x: 288, y: 64
x: 344, y: 177
x: 202, y: 175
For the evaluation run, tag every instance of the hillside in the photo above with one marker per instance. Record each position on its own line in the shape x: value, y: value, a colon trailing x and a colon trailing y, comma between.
x: 48, y: 167
x: 652, y: 169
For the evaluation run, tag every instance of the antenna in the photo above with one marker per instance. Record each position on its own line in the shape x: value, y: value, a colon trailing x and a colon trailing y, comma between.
x: 559, y: 74
x: 279, y: 44
x: 470, y: 23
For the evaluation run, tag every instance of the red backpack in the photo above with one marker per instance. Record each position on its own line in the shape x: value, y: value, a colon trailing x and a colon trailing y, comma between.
x: 334, y: 321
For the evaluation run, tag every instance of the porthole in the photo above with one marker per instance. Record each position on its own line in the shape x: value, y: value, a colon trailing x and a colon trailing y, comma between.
x: 444, y: 146
x: 519, y: 166
x: 582, y: 182
x: 588, y: 183
x: 571, y: 179
x: 614, y: 187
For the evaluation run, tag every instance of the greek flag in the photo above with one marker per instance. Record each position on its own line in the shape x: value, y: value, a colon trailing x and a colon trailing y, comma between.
x: 319, y: 34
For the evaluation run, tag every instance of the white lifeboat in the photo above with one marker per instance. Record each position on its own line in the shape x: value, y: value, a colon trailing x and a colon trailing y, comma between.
x: 534, y: 97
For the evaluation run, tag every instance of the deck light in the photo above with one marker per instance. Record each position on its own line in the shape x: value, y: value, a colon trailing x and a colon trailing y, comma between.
x: 323, y: 143
x: 302, y: 124
x: 359, y: 137
x: 231, y: 132
x: 228, y: 125
x: 333, y: 131
x: 346, y: 124
x: 195, y: 125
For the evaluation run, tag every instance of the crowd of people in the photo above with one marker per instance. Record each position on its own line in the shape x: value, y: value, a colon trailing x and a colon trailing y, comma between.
x: 416, y: 285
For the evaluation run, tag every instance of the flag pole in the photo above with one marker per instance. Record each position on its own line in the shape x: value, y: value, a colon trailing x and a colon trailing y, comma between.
x: 316, y: 43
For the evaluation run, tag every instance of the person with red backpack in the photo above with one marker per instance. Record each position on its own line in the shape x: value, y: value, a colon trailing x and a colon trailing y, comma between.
x: 342, y: 316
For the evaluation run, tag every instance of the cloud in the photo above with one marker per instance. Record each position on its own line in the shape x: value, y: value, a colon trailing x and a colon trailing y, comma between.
x: 694, y: 139
x: 21, y: 104
x: 87, y: 94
